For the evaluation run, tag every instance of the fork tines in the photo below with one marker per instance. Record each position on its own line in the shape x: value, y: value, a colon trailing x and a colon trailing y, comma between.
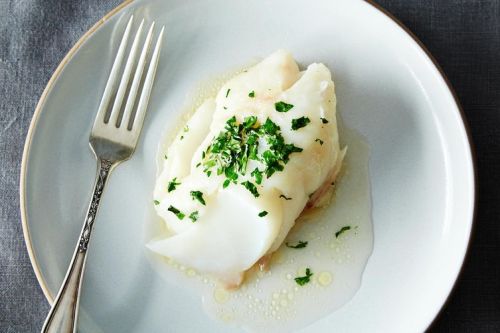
x: 129, y: 116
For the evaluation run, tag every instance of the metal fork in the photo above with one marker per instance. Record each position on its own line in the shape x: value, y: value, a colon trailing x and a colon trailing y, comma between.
x: 113, y: 140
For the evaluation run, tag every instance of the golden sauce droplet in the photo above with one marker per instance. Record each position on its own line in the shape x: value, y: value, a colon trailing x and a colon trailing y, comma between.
x: 325, y: 278
x: 221, y: 295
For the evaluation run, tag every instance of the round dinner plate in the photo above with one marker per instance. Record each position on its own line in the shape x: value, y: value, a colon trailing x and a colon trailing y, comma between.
x: 388, y: 88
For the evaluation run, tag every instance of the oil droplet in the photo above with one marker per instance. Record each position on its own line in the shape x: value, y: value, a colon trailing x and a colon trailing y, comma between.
x: 283, y: 302
x: 325, y: 278
x: 221, y: 295
x: 227, y: 317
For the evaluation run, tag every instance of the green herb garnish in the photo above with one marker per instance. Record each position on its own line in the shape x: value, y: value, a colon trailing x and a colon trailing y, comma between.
x: 270, y: 128
x: 194, y: 216
x: 166, y: 157
x: 342, y: 230
x: 300, y: 122
x: 251, y: 94
x: 320, y: 141
x: 263, y: 213
x: 324, y: 121
x: 282, y: 106
x: 238, y: 143
x: 251, y: 187
x: 299, y: 245
x: 257, y: 174
x: 250, y: 122
x: 186, y: 129
x: 156, y: 202
x: 177, y: 212
x: 285, y: 197
x: 302, y: 280
x: 197, y: 195
x: 227, y: 92
x: 172, y: 185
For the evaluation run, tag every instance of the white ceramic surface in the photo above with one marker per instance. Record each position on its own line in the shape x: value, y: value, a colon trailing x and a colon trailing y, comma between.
x: 388, y: 89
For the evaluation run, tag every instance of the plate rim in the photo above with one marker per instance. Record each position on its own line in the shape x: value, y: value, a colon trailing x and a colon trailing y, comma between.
x: 41, y: 102
x: 29, y: 137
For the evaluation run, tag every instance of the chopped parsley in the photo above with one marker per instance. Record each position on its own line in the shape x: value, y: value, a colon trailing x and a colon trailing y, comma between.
x: 257, y: 174
x: 186, y: 129
x: 300, y: 122
x: 270, y: 127
x: 156, y: 202
x: 166, y: 157
x: 320, y: 141
x: 302, y: 280
x: 172, y: 185
x: 251, y: 94
x: 225, y: 107
x: 263, y: 213
x: 230, y: 151
x: 323, y: 120
x: 197, y: 195
x: 285, y: 197
x: 182, y: 137
x: 342, y: 230
x: 227, y: 92
x: 250, y: 122
x: 299, y: 245
x: 197, y: 165
x: 251, y: 187
x: 282, y: 106
x: 194, y: 216
x: 177, y: 212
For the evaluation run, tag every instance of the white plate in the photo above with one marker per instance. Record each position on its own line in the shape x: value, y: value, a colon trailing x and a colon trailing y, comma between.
x: 388, y: 88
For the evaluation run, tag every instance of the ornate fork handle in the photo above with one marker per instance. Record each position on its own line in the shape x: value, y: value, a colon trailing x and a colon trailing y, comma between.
x: 62, y: 316
x: 103, y: 172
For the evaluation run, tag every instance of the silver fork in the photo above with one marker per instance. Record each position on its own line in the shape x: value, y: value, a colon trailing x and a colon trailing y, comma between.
x: 113, y: 140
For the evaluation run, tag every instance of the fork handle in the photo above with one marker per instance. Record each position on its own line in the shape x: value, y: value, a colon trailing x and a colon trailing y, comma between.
x: 63, y: 315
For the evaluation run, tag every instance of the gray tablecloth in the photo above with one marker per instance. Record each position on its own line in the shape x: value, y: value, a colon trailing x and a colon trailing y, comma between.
x: 463, y: 35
